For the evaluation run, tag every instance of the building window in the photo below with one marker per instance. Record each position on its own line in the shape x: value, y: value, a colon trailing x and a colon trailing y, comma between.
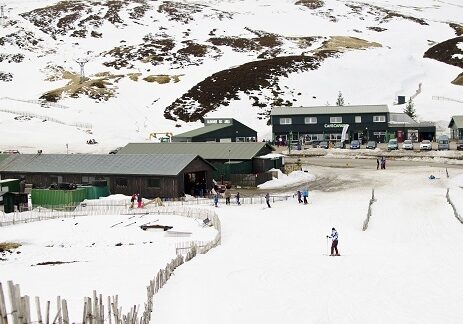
x: 379, y: 119
x: 122, y: 182
x: 154, y: 183
x: 310, y: 120
x: 285, y: 121
x: 335, y: 120
x: 358, y: 119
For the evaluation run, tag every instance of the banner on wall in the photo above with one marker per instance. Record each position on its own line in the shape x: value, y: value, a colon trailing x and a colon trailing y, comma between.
x: 344, y: 132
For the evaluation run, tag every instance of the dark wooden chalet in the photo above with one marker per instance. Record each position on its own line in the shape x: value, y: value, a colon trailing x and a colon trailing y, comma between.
x: 151, y: 175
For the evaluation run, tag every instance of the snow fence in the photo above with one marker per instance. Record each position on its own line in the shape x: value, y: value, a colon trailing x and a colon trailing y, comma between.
x: 98, y: 309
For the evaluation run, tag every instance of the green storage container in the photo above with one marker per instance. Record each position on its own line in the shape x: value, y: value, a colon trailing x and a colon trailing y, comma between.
x: 49, y: 198
x: 9, y: 185
x: 95, y: 192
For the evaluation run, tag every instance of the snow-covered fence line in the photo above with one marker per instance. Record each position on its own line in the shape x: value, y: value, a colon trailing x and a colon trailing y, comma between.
x: 54, y: 120
x: 367, y: 219
x: 38, y: 102
x: 455, y: 211
x: 94, y: 309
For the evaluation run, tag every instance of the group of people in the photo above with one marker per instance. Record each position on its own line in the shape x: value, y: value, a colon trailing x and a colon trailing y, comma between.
x: 227, y: 194
x: 138, y: 198
x: 304, y: 194
x: 381, y: 163
x: 92, y: 141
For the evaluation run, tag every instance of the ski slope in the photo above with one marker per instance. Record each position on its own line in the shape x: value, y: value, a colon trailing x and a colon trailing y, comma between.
x: 271, y: 267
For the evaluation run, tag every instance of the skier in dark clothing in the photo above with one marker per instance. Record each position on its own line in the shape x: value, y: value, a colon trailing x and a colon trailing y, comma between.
x: 334, y: 243
x: 238, y: 198
x: 132, y: 201
x: 299, y: 196
x: 139, y: 201
x: 377, y: 164
x: 267, y: 199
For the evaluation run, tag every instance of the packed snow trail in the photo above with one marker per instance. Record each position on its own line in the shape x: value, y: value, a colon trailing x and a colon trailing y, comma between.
x: 270, y: 268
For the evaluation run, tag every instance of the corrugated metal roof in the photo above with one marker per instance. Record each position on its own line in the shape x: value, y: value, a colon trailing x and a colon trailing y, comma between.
x: 320, y: 110
x: 457, y: 120
x: 208, y: 151
x: 203, y: 130
x: 402, y: 119
x: 136, y: 164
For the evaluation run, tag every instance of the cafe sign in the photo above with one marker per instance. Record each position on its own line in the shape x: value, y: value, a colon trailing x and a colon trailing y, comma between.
x: 335, y: 125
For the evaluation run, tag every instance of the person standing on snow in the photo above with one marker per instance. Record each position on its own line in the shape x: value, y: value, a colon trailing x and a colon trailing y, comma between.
x: 334, y: 243
x: 227, y: 195
x: 238, y: 198
x: 306, y: 195
x: 299, y: 196
x: 216, y: 200
x: 139, y: 201
x: 132, y: 201
x: 267, y: 199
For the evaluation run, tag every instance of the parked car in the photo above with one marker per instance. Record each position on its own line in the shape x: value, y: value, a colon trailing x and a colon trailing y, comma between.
x: 407, y: 145
x: 354, y: 145
x: 371, y: 145
x: 115, y: 150
x: 339, y: 145
x: 443, y: 143
x: 323, y: 144
x: 11, y: 152
x: 460, y: 145
x: 392, y: 144
x: 426, y: 145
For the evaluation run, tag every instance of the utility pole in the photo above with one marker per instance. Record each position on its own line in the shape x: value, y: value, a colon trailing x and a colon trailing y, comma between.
x: 82, y: 63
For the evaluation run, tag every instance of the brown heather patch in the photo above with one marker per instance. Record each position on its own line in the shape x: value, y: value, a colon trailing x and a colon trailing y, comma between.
x: 457, y: 28
x: 8, y: 246
x: 340, y: 43
x: 162, y: 78
x: 444, y: 52
x: 311, y: 4
x: 100, y: 88
x: 224, y: 86
x: 458, y: 80
x: 6, y: 77
x: 377, y: 29
x: 134, y: 76
x: 178, y: 11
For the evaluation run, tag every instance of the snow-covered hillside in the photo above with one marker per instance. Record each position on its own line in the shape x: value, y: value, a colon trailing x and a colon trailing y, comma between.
x: 160, y: 66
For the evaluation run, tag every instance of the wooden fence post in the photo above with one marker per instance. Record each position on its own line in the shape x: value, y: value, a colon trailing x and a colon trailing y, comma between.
x: 3, y: 312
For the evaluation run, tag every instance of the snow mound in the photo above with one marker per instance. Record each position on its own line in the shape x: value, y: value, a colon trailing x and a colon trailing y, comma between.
x: 283, y: 180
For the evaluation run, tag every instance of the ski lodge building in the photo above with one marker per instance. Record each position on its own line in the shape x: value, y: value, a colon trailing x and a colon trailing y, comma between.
x: 365, y: 123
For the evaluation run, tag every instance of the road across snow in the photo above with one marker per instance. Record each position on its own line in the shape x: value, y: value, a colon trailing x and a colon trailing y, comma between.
x: 271, y: 267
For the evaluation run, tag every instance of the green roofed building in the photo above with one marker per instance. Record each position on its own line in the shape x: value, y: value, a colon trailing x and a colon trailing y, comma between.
x: 161, y: 175
x: 227, y: 158
x: 219, y: 130
x: 456, y: 127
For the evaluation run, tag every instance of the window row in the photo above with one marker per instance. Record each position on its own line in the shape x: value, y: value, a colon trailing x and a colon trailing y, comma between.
x: 150, y: 182
x: 333, y: 120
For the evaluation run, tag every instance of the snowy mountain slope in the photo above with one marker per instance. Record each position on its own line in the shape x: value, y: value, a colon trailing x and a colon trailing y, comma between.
x: 163, y: 65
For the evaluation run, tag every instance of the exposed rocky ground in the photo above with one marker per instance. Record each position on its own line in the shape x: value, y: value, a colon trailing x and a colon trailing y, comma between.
x: 449, y: 52
x: 175, y: 43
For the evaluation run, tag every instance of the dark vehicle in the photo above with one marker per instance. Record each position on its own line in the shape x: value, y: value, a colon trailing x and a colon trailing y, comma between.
x: 115, y: 150
x: 371, y: 145
x: 339, y: 145
x: 314, y: 143
x: 354, y: 145
x: 323, y: 144
x: 460, y: 145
